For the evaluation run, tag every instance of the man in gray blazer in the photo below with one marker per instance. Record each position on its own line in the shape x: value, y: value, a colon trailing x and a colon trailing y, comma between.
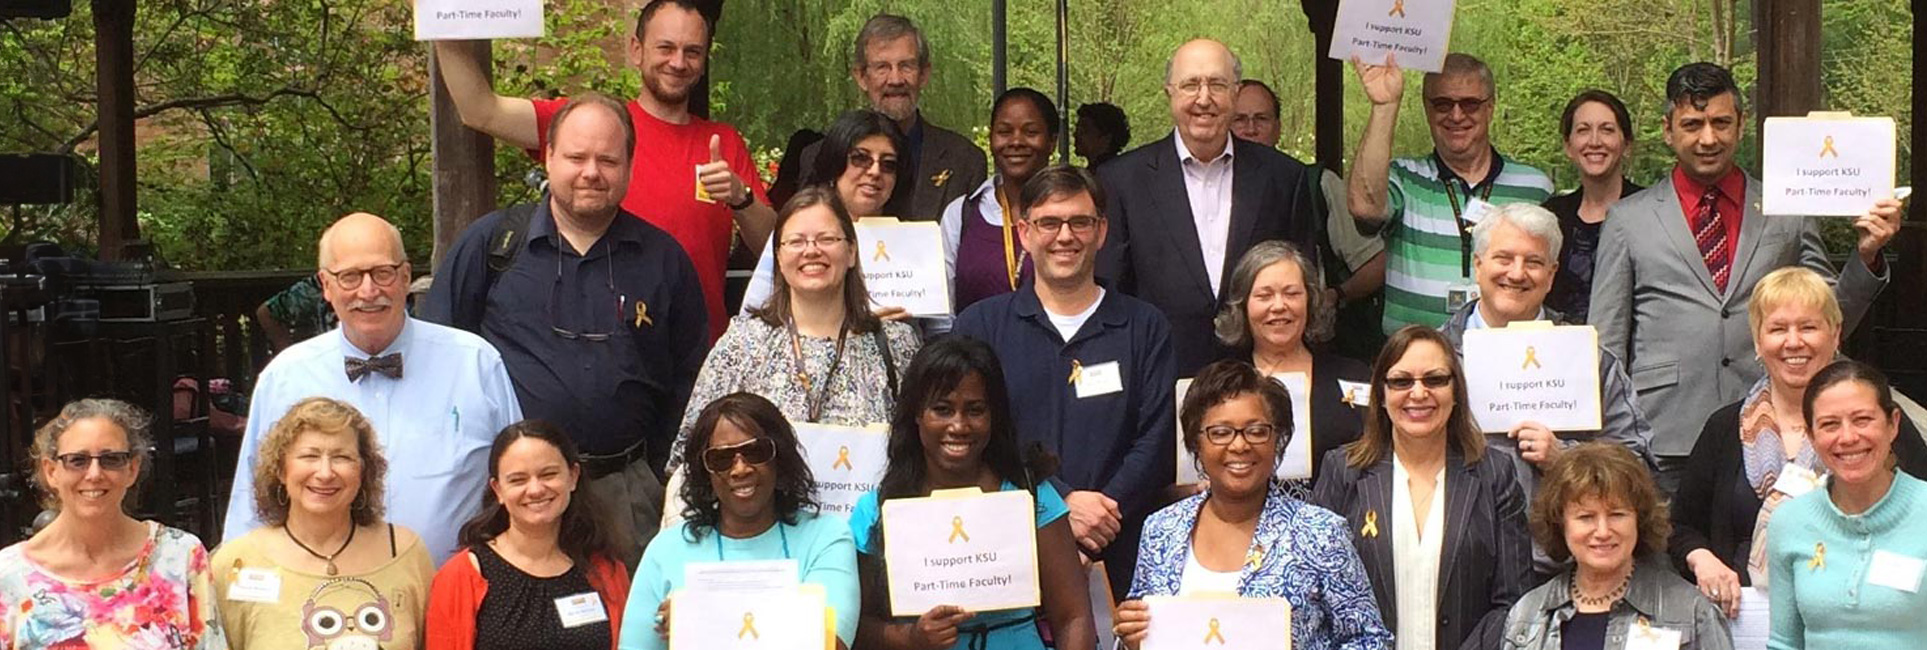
x: 1677, y: 263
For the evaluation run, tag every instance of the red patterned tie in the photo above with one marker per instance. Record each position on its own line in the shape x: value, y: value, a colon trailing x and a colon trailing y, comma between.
x: 1709, y: 231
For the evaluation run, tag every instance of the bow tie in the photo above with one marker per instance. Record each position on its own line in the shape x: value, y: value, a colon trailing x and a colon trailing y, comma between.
x: 387, y: 364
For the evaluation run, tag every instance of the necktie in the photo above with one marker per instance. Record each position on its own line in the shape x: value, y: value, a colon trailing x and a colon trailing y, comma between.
x: 1709, y: 231
x: 387, y: 364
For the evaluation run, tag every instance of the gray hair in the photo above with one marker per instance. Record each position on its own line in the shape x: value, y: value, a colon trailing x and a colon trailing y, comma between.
x: 884, y: 28
x: 1534, y: 220
x: 131, y: 420
x: 1237, y: 64
x: 1233, y: 324
x: 1459, y: 63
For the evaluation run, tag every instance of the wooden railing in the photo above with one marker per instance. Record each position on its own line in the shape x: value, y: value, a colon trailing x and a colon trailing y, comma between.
x: 227, y: 299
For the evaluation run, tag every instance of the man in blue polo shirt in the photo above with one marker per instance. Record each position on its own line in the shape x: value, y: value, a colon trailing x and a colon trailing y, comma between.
x: 1090, y: 370
x: 597, y: 313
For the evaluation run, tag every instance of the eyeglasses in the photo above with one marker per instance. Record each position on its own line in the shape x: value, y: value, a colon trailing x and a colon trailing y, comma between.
x: 798, y: 243
x: 1079, y: 225
x: 906, y: 67
x: 112, y: 461
x: 616, y: 311
x: 1467, y: 105
x: 863, y: 160
x: 1194, y: 87
x: 1254, y: 434
x: 1430, y: 381
x: 755, y: 452
x: 384, y: 275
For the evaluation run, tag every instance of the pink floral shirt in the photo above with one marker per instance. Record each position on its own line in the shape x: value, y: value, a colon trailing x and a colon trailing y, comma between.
x: 163, y: 599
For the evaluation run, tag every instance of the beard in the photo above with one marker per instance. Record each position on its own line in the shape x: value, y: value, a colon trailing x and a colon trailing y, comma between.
x: 655, y: 86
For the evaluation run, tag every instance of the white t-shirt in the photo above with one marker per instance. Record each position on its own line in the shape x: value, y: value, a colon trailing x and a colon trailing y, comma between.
x: 1067, y: 326
x: 1199, y: 580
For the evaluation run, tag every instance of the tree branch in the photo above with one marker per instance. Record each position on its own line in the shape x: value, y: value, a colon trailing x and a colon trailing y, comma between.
x: 201, y: 103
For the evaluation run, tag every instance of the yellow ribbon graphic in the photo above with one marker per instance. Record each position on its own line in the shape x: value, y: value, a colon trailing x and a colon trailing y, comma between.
x: 881, y: 255
x: 1371, y: 524
x: 749, y: 626
x: 940, y: 178
x: 1646, y: 630
x: 1214, y: 633
x: 842, y: 458
x: 642, y: 314
x: 1077, y: 372
x: 956, y: 530
x: 1532, y: 359
x: 1819, y: 560
x: 1255, y: 558
x: 1398, y: 9
x: 1827, y: 149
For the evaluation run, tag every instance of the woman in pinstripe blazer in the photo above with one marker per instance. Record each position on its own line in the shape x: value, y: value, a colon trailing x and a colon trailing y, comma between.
x: 1436, y: 516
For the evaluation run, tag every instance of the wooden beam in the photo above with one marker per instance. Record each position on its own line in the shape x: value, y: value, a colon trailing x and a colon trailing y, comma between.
x: 1789, y: 56
x: 464, y: 173
x: 114, y: 80
x: 1910, y: 278
x: 1328, y: 88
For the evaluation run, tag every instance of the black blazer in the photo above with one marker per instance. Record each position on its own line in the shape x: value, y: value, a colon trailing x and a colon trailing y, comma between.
x: 1153, y: 253
x: 1714, y: 497
x: 1485, y: 562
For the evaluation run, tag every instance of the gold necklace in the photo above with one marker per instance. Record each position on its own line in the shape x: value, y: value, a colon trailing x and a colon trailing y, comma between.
x: 1605, y: 601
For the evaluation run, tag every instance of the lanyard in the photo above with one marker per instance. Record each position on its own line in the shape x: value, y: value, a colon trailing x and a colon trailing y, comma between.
x: 813, y: 399
x: 1013, y: 255
x: 1458, y: 217
x: 780, y: 532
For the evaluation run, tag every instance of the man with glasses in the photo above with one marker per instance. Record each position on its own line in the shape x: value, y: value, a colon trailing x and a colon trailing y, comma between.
x: 1186, y: 207
x: 1426, y: 206
x: 435, y: 395
x: 598, y: 314
x: 1089, y: 370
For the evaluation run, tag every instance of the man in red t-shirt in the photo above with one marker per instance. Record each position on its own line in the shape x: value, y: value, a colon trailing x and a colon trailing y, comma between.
x: 692, y: 177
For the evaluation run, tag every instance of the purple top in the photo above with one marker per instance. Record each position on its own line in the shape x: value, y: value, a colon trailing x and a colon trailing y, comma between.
x: 981, y: 270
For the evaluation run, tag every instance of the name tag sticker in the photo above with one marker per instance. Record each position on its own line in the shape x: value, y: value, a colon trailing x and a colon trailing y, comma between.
x: 1475, y: 210
x: 1355, y: 394
x: 1457, y: 296
x: 1099, y: 379
x: 1795, y: 480
x: 256, y: 586
x: 1896, y: 571
x: 580, y: 609
x: 1643, y: 637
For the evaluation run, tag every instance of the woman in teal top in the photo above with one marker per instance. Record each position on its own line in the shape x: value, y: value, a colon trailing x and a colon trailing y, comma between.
x: 1845, y: 563
x: 750, y: 498
x: 952, y: 428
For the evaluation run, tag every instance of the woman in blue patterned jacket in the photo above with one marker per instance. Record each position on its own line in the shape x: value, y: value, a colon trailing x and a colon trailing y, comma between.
x: 1244, y: 535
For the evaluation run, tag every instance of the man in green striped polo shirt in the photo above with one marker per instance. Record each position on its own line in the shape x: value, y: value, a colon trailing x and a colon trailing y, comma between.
x: 1426, y: 205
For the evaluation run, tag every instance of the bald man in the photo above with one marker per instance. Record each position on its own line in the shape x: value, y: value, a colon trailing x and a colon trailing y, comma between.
x: 1186, y: 207
x: 435, y: 395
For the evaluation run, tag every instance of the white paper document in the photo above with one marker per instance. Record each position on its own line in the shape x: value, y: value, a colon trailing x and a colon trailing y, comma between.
x: 1297, y: 461
x: 1415, y: 32
x: 740, y: 575
x: 1533, y: 371
x: 903, y: 265
x: 977, y: 551
x: 846, y: 461
x: 797, y: 618
x: 1826, y: 164
x: 447, y: 20
x: 1228, y: 622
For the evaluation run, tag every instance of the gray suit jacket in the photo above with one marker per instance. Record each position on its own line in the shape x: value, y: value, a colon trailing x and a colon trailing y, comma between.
x: 1688, y: 347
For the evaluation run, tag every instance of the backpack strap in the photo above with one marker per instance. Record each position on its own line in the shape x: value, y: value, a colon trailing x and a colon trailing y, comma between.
x: 507, y: 238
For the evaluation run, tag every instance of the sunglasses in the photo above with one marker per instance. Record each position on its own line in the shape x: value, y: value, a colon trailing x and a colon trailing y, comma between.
x: 112, y: 461
x: 1430, y: 381
x: 863, y: 160
x: 1466, y: 105
x: 755, y: 452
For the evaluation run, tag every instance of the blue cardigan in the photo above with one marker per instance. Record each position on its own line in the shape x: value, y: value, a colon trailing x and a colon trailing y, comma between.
x: 1300, y: 552
x: 1833, y: 602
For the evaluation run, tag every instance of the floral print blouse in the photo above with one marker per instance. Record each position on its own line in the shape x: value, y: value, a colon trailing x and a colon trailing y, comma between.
x: 163, y: 599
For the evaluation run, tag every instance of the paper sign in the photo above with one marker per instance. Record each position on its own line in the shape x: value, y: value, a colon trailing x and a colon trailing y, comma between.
x: 1297, y: 461
x: 741, y: 575
x: 1533, y: 372
x: 449, y: 20
x: 978, y: 552
x: 846, y: 461
x: 903, y: 265
x: 1754, y: 624
x: 1826, y: 164
x: 1414, y: 32
x: 796, y: 618
x: 1229, y: 622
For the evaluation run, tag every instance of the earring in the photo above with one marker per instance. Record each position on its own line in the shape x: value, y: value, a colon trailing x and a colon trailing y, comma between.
x: 361, y: 501
x: 281, y: 495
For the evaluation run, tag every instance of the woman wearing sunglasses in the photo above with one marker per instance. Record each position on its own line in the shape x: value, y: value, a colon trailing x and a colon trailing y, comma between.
x: 750, y: 498
x: 322, y: 542
x: 1421, y: 486
x: 96, y: 577
x: 537, y: 547
x: 835, y: 361
x: 953, y: 429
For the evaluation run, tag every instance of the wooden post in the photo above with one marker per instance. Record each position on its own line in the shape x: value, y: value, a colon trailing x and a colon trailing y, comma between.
x: 114, y: 62
x: 464, y: 173
x: 1328, y: 88
x: 1789, y: 52
x: 1910, y: 279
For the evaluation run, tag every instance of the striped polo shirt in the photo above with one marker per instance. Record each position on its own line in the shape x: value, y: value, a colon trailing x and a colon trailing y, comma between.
x: 1424, y: 256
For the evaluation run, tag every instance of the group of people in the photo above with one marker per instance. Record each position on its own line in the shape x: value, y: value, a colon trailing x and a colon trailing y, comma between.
x: 494, y: 472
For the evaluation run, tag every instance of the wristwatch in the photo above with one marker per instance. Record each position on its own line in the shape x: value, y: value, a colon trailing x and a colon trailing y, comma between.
x: 749, y: 199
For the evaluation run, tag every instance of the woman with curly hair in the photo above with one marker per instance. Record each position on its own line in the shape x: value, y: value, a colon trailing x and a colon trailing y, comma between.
x: 749, y: 496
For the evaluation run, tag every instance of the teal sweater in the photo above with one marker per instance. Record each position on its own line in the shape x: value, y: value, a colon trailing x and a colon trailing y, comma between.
x: 1839, y: 602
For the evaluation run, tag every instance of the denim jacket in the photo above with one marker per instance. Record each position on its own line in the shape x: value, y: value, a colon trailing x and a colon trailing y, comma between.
x: 1657, y: 595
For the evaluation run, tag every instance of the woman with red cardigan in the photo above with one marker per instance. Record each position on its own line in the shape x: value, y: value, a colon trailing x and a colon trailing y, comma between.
x: 538, y: 568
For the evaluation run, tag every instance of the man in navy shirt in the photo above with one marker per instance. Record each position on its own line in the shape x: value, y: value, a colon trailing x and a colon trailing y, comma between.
x: 597, y: 313
x: 1090, y: 370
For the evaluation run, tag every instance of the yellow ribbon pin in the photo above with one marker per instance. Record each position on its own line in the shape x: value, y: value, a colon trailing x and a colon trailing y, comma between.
x: 1077, y: 372
x: 1532, y: 359
x: 1646, y: 630
x: 1255, y: 558
x: 1371, y: 524
x: 956, y: 530
x: 1826, y: 149
x: 749, y: 627
x: 842, y: 458
x: 881, y: 255
x: 1214, y: 633
x: 642, y: 314
x: 1398, y: 9
x: 1351, y: 397
x: 1819, y: 560
x: 940, y: 178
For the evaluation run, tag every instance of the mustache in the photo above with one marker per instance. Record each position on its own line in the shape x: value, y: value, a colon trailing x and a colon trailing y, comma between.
x: 381, y: 302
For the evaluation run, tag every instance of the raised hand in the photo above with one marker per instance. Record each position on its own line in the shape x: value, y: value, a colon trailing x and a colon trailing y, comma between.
x: 1384, y: 84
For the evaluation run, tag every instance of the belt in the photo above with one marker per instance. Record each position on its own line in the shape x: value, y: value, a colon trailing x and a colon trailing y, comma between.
x: 977, y: 637
x: 594, y: 467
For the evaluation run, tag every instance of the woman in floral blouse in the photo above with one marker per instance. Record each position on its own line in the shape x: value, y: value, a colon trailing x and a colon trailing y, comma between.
x: 96, y: 577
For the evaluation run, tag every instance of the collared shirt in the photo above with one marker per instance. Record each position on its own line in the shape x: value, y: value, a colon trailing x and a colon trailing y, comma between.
x: 1426, y: 249
x: 435, y: 423
x: 635, y: 284
x: 1207, y: 184
x: 1732, y: 190
x: 1416, y: 560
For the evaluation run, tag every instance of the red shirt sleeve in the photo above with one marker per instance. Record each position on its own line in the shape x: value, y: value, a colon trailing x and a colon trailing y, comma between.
x: 453, y: 601
x: 545, y: 110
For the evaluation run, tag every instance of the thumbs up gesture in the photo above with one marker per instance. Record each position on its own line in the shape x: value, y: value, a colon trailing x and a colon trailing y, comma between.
x: 716, y: 178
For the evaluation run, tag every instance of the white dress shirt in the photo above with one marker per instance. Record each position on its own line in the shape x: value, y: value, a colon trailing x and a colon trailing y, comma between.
x: 1207, y: 184
x: 1415, y: 561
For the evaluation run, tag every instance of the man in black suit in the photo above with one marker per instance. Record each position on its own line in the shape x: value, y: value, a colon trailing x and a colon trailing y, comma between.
x: 1186, y: 207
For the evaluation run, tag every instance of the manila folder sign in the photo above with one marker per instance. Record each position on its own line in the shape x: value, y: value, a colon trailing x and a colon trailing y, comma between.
x: 793, y: 618
x: 1826, y: 164
x: 445, y: 20
x: 1218, y: 621
x: 963, y: 547
x: 1415, y: 32
x: 1533, y: 371
x: 846, y: 461
x: 903, y: 265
